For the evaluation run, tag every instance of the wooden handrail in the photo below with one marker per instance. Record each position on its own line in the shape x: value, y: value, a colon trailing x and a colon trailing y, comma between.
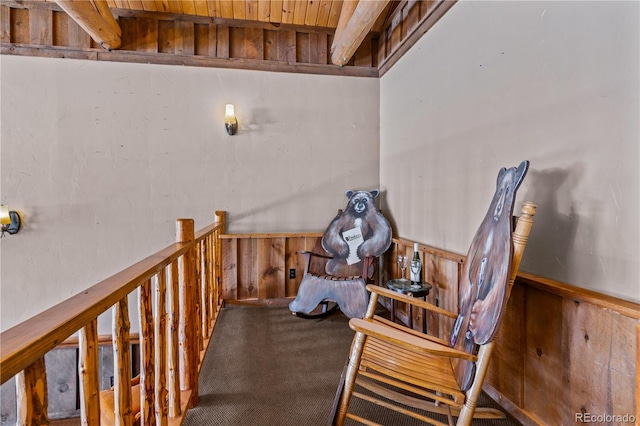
x: 26, y: 342
x: 25, y: 345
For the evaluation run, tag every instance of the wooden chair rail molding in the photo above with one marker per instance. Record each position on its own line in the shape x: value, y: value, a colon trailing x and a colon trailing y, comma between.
x: 185, y: 277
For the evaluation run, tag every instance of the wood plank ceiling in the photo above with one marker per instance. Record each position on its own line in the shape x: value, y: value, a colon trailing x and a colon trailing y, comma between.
x: 290, y: 35
x: 352, y: 19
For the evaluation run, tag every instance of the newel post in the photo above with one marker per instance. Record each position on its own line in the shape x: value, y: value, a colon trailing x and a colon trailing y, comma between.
x: 187, y: 323
x: 221, y: 217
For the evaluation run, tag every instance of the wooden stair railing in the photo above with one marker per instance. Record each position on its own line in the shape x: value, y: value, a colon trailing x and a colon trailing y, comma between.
x: 186, y: 278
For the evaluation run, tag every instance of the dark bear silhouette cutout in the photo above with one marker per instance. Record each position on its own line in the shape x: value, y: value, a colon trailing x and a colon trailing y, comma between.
x: 485, y: 274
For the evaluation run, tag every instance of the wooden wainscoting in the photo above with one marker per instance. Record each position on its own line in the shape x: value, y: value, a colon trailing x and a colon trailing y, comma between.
x: 257, y: 266
x: 562, y: 350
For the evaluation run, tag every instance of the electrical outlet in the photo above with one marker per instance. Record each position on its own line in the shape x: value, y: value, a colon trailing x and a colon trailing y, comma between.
x: 292, y: 273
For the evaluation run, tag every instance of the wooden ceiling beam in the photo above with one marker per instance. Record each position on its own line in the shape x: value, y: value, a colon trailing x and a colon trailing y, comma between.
x: 96, y: 19
x: 348, y: 7
x: 356, y: 29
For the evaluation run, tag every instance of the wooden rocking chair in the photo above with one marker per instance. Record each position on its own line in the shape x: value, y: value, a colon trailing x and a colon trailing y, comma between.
x: 354, y: 240
x: 436, y: 375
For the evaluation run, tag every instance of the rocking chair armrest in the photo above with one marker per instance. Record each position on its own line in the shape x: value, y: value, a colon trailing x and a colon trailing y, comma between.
x: 414, y: 301
x: 406, y: 340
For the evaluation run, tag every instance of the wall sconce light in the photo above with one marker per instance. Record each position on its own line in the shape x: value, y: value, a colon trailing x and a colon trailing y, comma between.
x: 230, y: 122
x: 9, y: 221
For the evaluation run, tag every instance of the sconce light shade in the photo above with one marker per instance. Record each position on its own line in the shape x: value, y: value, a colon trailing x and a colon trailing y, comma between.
x: 9, y: 221
x: 4, y: 215
x: 230, y: 121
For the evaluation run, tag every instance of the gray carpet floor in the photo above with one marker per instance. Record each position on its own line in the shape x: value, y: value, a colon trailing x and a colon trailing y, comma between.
x: 265, y: 366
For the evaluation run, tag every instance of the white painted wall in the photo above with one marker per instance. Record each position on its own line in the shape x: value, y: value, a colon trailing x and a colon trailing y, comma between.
x: 494, y: 83
x: 101, y: 158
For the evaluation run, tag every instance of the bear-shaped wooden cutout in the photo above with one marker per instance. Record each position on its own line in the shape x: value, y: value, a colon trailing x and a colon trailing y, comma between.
x: 358, y: 231
x: 485, y: 273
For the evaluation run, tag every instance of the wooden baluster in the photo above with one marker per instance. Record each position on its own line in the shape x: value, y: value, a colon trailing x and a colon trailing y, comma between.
x: 88, y: 371
x: 211, y: 274
x: 174, y: 345
x: 204, y: 287
x: 188, y: 328
x: 215, y: 277
x: 31, y: 395
x: 198, y: 297
x: 220, y: 218
x: 161, y: 348
x: 122, y: 363
x: 147, y: 355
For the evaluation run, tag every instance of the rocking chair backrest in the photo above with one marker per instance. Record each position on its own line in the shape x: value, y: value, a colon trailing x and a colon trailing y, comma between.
x: 487, y: 274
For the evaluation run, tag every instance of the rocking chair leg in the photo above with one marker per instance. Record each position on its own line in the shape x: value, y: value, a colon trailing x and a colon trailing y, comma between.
x: 449, y: 416
x: 336, y: 399
x: 350, y: 378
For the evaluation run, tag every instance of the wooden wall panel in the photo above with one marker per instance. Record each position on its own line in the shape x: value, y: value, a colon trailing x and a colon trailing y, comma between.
x: 223, y: 42
x: 271, y: 265
x: 362, y: 57
x: 129, y: 29
x: 236, y: 42
x: 147, y: 30
x: 545, y: 368
x: 302, y: 48
x: 411, y: 16
x: 254, y: 43
x: 40, y: 27
x: 60, y: 24
x: 201, y: 39
x: 5, y: 24
x: 270, y: 45
x: 229, y: 269
x: 184, y: 38
x: 247, y: 269
x: 445, y: 283
x: 19, y: 25
x: 293, y: 260
x: 286, y: 46
x: 601, y: 373
x: 508, y: 360
x: 318, y: 51
x: 77, y: 36
x: 166, y: 37
x: 213, y: 40
x: 66, y: 32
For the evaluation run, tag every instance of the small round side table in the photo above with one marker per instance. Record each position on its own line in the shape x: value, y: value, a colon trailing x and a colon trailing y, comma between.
x: 410, y: 288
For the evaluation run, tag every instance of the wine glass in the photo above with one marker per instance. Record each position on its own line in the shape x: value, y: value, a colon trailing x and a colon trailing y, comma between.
x: 402, y: 263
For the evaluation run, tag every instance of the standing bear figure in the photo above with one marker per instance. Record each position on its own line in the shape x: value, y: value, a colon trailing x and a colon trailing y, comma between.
x: 358, y: 231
